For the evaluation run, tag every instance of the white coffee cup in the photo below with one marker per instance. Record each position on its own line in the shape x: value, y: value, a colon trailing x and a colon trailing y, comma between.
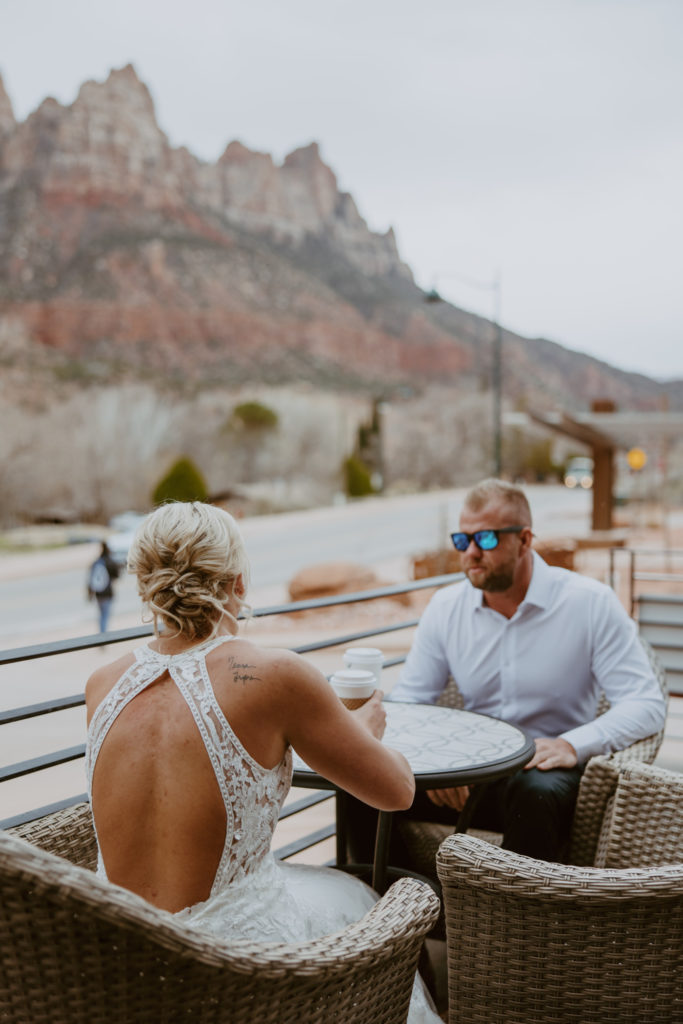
x: 353, y: 686
x: 369, y: 658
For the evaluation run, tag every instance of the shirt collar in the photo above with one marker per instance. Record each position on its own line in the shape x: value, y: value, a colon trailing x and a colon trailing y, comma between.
x: 539, y: 589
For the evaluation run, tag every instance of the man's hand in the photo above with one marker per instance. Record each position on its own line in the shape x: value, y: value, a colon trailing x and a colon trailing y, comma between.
x: 373, y: 715
x: 455, y: 797
x: 551, y: 753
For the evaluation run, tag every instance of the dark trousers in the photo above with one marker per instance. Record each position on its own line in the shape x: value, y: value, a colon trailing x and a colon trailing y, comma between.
x: 533, y: 809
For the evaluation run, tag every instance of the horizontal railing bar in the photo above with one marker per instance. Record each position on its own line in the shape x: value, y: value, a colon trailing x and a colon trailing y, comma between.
x: 304, y: 804
x: 350, y: 637
x: 299, y: 845
x: 139, y: 632
x: 81, y: 643
x: 658, y: 577
x: 651, y: 551
x: 44, y: 708
x: 40, y: 812
x: 398, y: 660
x: 36, y: 764
x: 360, y: 595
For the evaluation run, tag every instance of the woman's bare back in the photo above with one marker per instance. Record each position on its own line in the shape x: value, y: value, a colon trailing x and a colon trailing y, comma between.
x: 157, y: 802
x: 188, y: 777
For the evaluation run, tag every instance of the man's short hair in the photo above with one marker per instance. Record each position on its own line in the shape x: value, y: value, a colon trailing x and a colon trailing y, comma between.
x: 514, y: 499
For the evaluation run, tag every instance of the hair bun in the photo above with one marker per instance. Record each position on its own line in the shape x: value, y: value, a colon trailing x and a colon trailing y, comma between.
x: 188, y: 558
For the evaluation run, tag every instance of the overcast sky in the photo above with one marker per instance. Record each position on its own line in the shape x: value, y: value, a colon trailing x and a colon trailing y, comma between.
x: 538, y: 140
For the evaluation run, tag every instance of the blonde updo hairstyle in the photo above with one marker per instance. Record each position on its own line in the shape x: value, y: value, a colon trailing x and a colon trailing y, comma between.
x: 190, y: 561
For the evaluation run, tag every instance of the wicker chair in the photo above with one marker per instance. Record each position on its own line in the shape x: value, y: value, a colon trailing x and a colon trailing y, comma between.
x: 643, y: 821
x: 531, y: 942
x: 68, y: 833
x: 599, y: 779
x: 75, y: 949
x: 422, y: 839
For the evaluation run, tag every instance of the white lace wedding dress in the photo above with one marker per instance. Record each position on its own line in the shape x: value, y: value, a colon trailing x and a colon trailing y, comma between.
x: 253, y: 896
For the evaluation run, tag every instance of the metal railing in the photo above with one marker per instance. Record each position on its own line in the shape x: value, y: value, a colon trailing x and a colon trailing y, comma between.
x: 665, y: 574
x: 59, y: 757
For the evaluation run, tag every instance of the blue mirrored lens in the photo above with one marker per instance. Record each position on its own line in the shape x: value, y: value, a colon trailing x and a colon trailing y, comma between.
x: 486, y: 539
x: 460, y: 541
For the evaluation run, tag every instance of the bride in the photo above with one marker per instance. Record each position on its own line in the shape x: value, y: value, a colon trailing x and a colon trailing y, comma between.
x: 189, y: 752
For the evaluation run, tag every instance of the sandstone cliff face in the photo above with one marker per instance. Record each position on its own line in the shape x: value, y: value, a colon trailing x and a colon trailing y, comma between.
x: 114, y: 241
x: 120, y: 251
x: 7, y: 121
x: 143, y: 293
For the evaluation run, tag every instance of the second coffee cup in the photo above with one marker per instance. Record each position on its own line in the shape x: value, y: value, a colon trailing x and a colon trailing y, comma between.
x: 353, y: 686
x: 369, y: 658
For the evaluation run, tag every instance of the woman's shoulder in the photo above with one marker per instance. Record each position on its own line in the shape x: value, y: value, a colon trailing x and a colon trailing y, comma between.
x: 103, y: 679
x: 274, y: 667
x: 276, y: 659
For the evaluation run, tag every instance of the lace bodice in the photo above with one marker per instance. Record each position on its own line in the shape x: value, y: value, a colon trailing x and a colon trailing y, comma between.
x: 252, y: 794
x: 253, y: 896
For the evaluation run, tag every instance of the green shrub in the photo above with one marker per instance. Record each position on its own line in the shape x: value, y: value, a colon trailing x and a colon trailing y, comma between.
x: 183, y: 482
x: 357, y: 477
x: 255, y: 416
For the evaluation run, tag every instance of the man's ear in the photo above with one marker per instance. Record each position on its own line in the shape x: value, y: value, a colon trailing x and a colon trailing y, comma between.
x: 526, y: 537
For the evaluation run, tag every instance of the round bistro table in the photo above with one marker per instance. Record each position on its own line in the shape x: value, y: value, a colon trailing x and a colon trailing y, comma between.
x: 444, y: 747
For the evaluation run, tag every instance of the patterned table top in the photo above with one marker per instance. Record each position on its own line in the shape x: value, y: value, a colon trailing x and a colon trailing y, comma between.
x: 444, y: 741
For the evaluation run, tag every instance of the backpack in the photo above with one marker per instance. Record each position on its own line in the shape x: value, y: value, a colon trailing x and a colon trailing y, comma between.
x: 99, y: 577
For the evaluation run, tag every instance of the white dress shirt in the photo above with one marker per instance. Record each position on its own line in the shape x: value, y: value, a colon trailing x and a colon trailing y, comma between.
x: 544, y: 668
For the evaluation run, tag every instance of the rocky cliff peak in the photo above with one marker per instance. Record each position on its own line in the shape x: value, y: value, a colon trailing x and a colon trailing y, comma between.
x: 122, y: 93
x: 106, y: 144
x: 7, y: 119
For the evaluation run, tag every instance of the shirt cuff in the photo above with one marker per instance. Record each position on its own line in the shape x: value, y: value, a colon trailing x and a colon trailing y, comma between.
x: 585, y: 741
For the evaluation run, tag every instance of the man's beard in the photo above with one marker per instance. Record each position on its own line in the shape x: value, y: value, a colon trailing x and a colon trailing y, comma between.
x: 494, y: 582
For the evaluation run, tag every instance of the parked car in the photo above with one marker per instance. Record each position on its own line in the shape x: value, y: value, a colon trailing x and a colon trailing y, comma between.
x: 123, y: 528
x: 579, y: 473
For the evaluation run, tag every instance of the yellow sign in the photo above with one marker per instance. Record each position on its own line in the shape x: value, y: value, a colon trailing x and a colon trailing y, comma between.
x: 636, y: 458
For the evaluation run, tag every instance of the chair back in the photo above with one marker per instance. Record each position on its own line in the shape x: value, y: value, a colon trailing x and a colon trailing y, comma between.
x: 535, y: 943
x: 643, y: 823
x: 599, y: 780
x: 75, y: 949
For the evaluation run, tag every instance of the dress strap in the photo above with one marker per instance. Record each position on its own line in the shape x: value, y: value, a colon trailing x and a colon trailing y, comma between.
x: 134, y: 680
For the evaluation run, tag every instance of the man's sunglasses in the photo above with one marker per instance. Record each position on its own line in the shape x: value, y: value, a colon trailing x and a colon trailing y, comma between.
x: 485, y: 540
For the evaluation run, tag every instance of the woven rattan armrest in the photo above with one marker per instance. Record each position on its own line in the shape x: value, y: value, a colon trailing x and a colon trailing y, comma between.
x: 68, y: 833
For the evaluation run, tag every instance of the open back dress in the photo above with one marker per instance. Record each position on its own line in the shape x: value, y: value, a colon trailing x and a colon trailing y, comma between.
x: 253, y: 896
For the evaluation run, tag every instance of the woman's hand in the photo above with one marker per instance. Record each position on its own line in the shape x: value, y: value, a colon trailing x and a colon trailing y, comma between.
x: 372, y: 715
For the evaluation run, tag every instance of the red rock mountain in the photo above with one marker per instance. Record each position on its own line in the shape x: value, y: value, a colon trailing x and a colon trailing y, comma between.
x: 121, y: 252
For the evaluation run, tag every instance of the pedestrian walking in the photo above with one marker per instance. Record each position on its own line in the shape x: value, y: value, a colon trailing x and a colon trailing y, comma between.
x: 101, y: 575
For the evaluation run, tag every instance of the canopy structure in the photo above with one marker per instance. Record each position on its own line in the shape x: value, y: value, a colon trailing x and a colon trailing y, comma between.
x: 604, y: 433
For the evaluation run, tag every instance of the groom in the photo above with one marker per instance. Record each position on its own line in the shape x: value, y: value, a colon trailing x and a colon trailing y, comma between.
x: 533, y: 645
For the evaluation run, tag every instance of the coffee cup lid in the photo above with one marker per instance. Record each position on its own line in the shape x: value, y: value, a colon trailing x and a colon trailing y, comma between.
x: 353, y: 676
x: 353, y: 682
x: 363, y: 653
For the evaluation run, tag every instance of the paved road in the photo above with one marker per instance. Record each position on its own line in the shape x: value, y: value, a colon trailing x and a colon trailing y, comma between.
x: 43, y: 595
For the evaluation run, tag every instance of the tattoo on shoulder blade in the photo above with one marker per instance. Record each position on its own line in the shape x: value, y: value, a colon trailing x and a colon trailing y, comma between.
x: 242, y: 671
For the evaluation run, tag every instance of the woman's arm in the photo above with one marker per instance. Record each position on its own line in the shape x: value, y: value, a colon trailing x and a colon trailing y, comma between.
x: 343, y: 746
